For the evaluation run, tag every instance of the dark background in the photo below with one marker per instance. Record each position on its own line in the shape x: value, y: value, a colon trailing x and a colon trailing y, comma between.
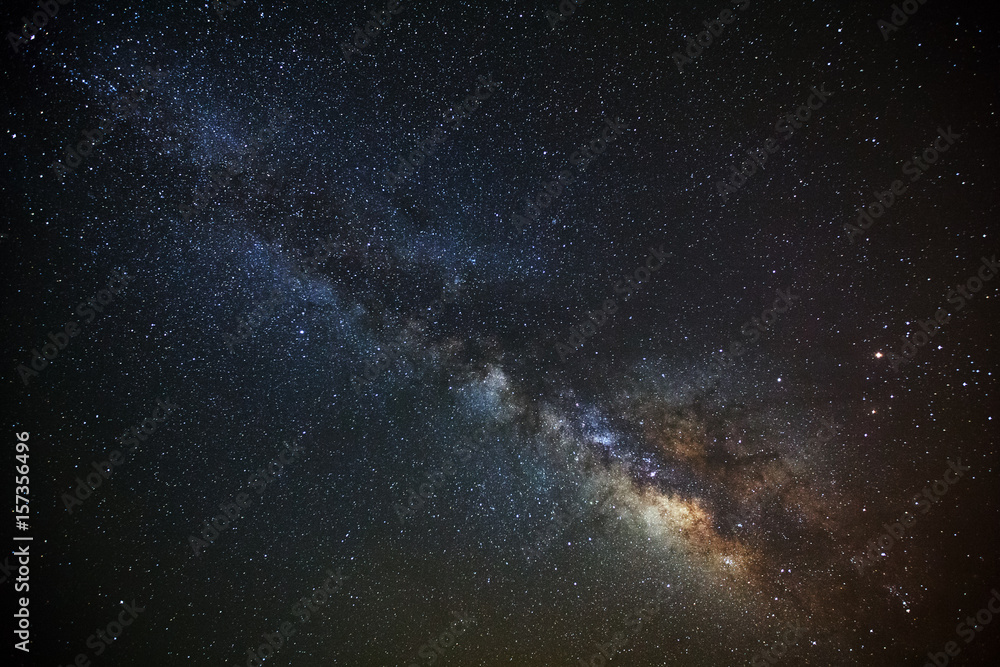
x: 486, y: 371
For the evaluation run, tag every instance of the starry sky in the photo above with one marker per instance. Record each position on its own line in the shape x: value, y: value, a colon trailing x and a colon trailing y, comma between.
x: 566, y: 374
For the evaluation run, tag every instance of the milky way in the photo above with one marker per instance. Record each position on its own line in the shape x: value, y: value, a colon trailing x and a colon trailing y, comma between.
x: 642, y: 333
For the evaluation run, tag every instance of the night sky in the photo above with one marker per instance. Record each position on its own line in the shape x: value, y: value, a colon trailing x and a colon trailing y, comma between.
x: 644, y: 333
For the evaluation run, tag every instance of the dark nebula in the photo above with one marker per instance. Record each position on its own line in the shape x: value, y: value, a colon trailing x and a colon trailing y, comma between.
x: 567, y: 349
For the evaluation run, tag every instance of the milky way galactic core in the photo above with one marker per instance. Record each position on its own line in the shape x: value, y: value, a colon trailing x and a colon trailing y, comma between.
x: 502, y: 333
